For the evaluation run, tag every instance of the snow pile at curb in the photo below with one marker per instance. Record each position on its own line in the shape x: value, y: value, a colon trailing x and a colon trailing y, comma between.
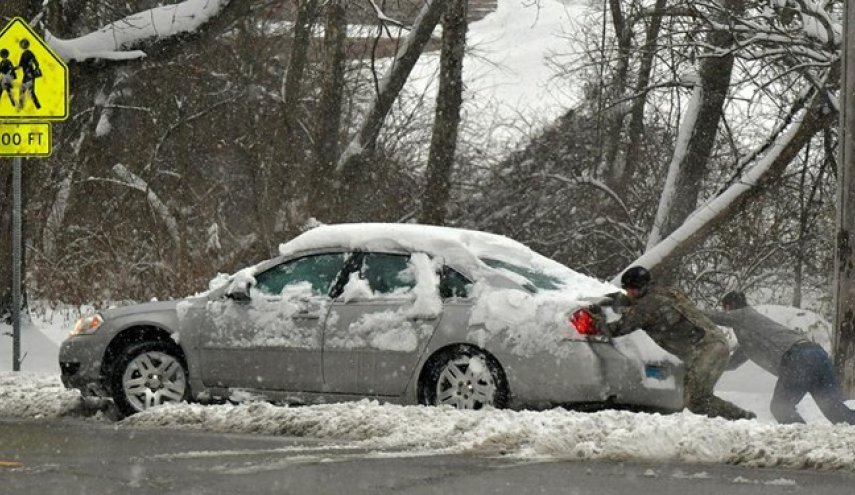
x: 35, y: 395
x: 607, y: 435
x: 554, y: 434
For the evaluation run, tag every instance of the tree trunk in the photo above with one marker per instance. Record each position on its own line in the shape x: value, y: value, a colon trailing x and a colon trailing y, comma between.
x: 635, y: 134
x: 448, y: 101
x: 798, y: 269
x: 328, y: 123
x: 694, y: 230
x: 615, y: 115
x: 392, y: 83
x: 296, y: 67
x: 692, y: 166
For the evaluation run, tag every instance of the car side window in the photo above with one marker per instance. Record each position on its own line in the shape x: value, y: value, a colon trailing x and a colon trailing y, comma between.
x: 452, y: 284
x: 387, y: 273
x: 320, y: 271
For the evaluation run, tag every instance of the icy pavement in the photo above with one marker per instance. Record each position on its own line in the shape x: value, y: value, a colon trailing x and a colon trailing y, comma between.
x: 553, y: 434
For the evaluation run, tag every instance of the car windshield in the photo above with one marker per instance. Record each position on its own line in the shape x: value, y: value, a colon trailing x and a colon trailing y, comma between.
x: 536, y: 280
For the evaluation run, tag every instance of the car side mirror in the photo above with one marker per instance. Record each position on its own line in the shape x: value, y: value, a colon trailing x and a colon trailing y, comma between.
x: 239, y: 292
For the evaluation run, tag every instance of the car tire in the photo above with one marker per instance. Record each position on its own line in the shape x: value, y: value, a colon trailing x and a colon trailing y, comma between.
x: 463, y: 378
x: 148, y: 374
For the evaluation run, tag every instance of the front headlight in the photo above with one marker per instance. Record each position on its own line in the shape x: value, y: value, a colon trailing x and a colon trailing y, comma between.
x: 87, y: 325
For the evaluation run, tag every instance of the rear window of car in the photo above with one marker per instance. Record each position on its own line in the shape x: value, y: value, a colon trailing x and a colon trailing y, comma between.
x: 453, y: 285
x: 537, y: 281
x: 387, y: 273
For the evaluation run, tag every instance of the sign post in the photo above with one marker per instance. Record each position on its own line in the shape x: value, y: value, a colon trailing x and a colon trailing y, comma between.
x: 16, y: 264
x: 844, y: 255
x: 33, y: 93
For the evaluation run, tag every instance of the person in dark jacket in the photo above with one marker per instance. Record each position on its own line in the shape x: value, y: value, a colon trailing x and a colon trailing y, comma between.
x: 30, y: 67
x: 7, y: 75
x: 679, y: 327
x: 801, y: 366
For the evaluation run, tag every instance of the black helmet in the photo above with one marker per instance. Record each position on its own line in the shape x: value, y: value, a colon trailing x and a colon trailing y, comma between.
x: 734, y: 300
x: 636, y: 277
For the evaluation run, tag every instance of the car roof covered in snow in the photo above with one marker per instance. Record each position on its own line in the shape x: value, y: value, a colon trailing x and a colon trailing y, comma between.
x: 460, y: 248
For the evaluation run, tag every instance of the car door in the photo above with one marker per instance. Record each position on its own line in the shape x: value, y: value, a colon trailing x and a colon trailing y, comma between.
x: 380, y: 324
x: 273, y: 340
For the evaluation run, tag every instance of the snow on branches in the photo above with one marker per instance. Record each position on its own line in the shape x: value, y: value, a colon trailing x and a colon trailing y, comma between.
x: 112, y: 42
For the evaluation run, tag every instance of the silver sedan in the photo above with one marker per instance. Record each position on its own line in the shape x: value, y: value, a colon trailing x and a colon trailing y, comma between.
x: 406, y: 314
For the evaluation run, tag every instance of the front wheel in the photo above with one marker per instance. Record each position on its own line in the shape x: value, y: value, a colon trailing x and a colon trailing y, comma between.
x: 148, y: 375
x: 464, y: 378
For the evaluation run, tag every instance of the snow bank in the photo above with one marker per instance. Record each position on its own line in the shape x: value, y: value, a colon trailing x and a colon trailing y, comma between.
x: 42, y: 331
x: 35, y: 395
x: 609, y: 435
x: 553, y: 434
x: 507, y: 73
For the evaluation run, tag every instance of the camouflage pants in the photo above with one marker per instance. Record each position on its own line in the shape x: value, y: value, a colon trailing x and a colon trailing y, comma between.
x: 702, y: 373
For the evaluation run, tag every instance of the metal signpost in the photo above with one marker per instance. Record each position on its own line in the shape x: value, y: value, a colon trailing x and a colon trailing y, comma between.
x: 844, y: 255
x: 33, y: 92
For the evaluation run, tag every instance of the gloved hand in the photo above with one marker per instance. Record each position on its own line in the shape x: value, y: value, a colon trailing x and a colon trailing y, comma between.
x: 619, y: 300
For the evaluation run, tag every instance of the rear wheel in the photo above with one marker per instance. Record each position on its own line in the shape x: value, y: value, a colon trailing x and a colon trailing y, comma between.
x: 147, y: 375
x: 463, y: 378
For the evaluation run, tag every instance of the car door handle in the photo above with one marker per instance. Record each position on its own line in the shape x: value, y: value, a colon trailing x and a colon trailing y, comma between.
x: 421, y: 318
x: 306, y: 315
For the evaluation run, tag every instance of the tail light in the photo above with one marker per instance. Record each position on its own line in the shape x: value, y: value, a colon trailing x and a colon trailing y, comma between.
x: 584, y: 322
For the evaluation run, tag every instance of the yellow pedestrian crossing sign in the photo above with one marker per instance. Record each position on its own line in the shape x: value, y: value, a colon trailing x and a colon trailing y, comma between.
x: 33, y: 79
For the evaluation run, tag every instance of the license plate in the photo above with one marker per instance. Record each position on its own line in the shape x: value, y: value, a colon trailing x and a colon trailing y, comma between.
x: 656, y: 372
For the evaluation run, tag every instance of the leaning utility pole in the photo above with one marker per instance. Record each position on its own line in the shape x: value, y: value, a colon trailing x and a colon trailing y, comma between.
x: 844, y: 259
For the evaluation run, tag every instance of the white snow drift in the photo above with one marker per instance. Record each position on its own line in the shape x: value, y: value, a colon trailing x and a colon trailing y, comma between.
x: 557, y: 433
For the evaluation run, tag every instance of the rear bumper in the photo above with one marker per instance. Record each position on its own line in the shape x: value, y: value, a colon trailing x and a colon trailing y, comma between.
x: 592, y: 376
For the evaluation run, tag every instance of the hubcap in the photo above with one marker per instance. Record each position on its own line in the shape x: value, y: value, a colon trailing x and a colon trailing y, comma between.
x: 466, y: 383
x: 154, y: 378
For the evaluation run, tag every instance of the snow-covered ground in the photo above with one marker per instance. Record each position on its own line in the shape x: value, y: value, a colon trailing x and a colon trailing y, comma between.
x: 38, y: 393
x: 509, y: 85
x: 508, y: 57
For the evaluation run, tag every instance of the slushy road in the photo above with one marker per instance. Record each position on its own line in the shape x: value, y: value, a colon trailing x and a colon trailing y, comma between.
x: 73, y: 456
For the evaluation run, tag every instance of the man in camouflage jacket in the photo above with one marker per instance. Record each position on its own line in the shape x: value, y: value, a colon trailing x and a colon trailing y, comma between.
x: 679, y: 327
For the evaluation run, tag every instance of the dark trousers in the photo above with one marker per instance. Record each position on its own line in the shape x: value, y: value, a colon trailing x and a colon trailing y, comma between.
x: 806, y: 368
